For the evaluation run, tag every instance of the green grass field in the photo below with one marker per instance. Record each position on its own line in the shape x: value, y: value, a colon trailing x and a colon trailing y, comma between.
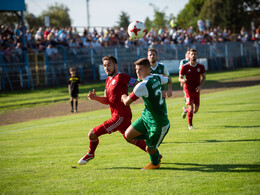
x: 221, y: 156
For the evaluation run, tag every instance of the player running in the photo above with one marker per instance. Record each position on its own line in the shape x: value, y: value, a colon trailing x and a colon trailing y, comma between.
x: 193, y: 72
x: 116, y: 85
x: 182, y: 62
x: 154, y: 124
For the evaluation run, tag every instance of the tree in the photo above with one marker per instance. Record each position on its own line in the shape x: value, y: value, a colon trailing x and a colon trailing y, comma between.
x: 34, y: 21
x: 124, y: 20
x: 59, y: 15
x: 148, y: 24
x: 159, y: 17
x: 9, y: 18
x: 190, y: 14
x: 233, y: 13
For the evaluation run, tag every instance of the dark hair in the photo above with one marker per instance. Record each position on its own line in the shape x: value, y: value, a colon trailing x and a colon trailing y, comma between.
x: 152, y: 49
x: 193, y: 50
x: 112, y: 58
x: 143, y: 61
x: 72, y: 69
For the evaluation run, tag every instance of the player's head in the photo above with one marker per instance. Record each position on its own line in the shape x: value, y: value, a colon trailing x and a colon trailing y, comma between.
x: 152, y: 55
x: 110, y: 65
x: 142, y: 68
x: 193, y: 55
x: 187, y: 55
x: 73, y: 71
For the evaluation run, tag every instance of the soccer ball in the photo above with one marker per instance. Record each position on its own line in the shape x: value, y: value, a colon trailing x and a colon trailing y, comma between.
x: 136, y: 30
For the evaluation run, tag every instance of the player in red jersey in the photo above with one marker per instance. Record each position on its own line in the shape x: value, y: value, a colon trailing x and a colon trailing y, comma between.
x: 116, y: 85
x: 193, y: 76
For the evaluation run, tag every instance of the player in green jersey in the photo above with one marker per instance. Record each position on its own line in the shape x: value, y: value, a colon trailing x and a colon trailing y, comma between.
x: 154, y: 124
x: 157, y: 67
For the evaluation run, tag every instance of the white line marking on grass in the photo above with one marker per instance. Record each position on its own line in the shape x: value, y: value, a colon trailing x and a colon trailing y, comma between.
x: 72, y: 120
x: 55, y: 123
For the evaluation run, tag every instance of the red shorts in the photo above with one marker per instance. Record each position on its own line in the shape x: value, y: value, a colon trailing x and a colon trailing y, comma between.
x: 120, y: 123
x: 192, y: 97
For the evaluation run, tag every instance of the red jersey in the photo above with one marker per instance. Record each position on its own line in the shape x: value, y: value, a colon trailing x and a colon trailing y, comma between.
x: 116, y: 86
x: 193, y: 75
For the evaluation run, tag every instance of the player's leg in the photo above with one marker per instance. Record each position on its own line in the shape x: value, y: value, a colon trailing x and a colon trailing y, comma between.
x: 76, y: 103
x: 155, y: 137
x: 190, y: 114
x: 184, y: 113
x: 137, y: 142
x: 196, y: 102
x: 71, y: 103
x: 107, y: 127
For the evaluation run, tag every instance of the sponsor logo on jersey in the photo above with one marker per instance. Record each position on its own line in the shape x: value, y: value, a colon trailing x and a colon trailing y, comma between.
x: 189, y: 70
x: 198, y: 69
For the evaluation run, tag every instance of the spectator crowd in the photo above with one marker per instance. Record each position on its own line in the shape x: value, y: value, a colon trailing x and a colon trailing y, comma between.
x: 47, y: 39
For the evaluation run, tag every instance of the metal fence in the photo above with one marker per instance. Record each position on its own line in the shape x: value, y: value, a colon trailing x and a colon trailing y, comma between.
x: 51, y: 68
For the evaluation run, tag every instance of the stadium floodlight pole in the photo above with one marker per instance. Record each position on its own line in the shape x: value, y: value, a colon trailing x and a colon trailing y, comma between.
x: 88, y: 13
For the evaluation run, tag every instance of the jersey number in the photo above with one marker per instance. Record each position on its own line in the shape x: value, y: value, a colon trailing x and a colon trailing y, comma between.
x: 158, y: 92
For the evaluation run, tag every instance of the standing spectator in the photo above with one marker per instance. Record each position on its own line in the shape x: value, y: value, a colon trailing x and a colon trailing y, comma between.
x: 190, y: 75
x: 201, y: 25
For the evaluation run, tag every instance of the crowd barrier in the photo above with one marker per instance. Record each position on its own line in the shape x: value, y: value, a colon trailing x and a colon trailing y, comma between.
x: 51, y: 69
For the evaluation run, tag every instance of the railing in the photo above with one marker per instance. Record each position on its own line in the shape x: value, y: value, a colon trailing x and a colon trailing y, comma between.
x: 45, y: 70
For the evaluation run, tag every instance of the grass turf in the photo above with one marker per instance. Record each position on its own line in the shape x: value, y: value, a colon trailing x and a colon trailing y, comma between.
x: 221, y: 156
x: 22, y: 99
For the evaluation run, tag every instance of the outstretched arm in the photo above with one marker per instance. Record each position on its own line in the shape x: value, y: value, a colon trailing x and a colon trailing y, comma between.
x: 93, y: 96
x: 126, y: 100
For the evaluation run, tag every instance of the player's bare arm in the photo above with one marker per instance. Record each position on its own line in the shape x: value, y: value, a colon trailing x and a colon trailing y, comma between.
x: 201, y: 82
x: 182, y: 79
x: 126, y: 100
x: 93, y: 96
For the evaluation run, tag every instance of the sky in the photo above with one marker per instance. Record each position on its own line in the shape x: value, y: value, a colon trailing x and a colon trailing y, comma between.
x: 105, y: 13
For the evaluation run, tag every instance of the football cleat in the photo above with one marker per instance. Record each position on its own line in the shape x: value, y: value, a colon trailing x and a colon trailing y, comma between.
x: 86, y: 158
x: 191, y: 127
x: 151, y: 166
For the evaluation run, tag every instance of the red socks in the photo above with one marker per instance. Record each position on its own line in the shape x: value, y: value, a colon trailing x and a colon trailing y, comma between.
x: 190, y: 116
x: 93, y: 145
x: 141, y: 144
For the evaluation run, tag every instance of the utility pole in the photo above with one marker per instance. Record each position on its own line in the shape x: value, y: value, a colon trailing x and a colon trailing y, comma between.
x: 88, y: 13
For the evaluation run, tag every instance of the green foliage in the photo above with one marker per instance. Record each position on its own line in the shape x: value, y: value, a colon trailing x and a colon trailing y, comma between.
x: 190, y: 14
x: 160, y: 20
x: 124, y: 20
x: 230, y: 14
x: 59, y: 15
x: 221, y: 156
x: 148, y: 24
x: 34, y: 21
x: 9, y: 19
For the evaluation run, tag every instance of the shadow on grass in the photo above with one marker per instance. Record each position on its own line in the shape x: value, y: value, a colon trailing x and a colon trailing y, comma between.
x: 232, y: 111
x: 214, y: 141
x: 232, y: 168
